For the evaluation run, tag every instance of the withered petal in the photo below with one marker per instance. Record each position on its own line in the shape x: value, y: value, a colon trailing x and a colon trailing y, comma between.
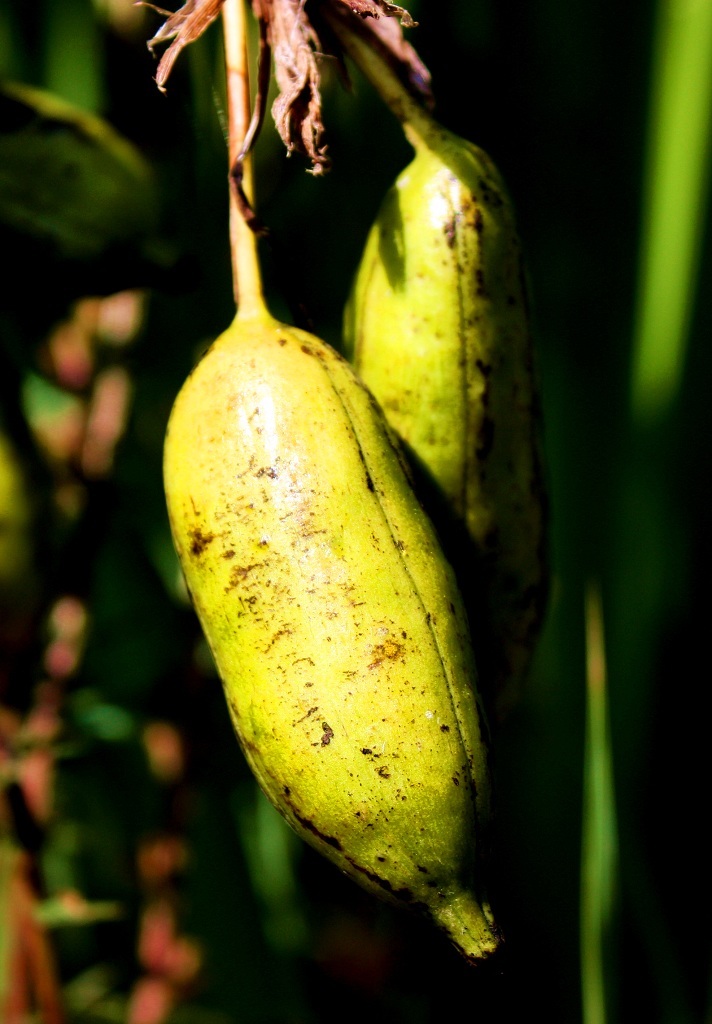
x: 184, y: 27
x: 379, y: 8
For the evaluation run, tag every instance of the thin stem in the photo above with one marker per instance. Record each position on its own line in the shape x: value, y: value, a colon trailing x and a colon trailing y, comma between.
x: 417, y: 123
x: 247, y: 279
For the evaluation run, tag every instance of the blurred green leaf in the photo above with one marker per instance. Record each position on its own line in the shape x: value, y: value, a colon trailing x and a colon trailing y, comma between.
x: 600, y: 834
x: 67, y: 178
x: 59, y: 912
x: 271, y: 850
x: 675, y: 193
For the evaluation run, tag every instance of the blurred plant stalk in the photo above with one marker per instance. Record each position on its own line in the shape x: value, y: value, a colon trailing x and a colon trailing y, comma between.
x: 675, y: 196
x: 599, y: 851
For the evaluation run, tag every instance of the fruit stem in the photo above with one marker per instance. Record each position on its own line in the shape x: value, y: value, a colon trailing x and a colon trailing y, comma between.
x: 419, y: 127
x: 247, y: 277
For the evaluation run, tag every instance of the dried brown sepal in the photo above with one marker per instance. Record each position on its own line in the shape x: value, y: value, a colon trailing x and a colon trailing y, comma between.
x: 184, y: 26
x: 386, y: 35
x: 296, y: 51
x: 378, y: 9
x: 299, y: 40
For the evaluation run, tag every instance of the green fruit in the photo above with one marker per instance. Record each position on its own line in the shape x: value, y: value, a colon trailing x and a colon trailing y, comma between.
x: 334, y: 620
x: 438, y: 328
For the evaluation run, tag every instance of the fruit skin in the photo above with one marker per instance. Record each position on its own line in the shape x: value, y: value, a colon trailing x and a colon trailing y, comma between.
x: 17, y: 549
x: 437, y: 326
x: 334, y: 620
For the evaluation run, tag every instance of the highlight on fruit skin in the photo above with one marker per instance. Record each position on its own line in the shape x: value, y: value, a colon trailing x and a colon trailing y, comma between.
x: 334, y: 619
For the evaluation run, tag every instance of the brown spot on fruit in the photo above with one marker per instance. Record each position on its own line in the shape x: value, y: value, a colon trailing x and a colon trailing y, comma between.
x: 389, y: 650
x: 327, y: 735
x: 309, y: 713
x: 309, y: 825
x: 486, y: 438
x: 404, y: 893
x: 199, y: 541
x: 238, y: 575
x: 484, y: 368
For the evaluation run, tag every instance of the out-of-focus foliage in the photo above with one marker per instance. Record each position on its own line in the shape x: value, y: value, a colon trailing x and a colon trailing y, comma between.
x: 142, y: 876
x: 67, y: 178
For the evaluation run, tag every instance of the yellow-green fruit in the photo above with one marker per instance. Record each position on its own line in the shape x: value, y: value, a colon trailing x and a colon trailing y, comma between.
x: 438, y: 328
x: 16, y: 539
x: 334, y: 620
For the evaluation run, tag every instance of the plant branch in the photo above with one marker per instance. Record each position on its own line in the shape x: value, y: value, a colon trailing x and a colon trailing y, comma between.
x: 378, y: 64
x: 242, y: 128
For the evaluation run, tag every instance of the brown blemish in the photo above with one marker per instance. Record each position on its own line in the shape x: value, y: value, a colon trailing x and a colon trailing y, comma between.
x: 486, y: 438
x: 390, y: 650
x: 327, y: 735
x: 490, y: 196
x: 383, y: 772
x: 199, y: 540
x: 309, y: 713
x: 285, y: 630
x: 239, y: 573
x: 369, y: 480
x: 309, y: 351
x: 444, y: 728
x: 403, y: 894
x: 484, y: 368
x: 229, y: 554
x: 309, y: 825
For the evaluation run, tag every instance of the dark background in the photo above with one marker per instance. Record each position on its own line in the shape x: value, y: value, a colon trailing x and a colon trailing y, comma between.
x: 559, y: 95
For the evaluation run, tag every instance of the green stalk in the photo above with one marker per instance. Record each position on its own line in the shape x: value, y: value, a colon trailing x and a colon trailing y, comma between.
x: 247, y: 278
